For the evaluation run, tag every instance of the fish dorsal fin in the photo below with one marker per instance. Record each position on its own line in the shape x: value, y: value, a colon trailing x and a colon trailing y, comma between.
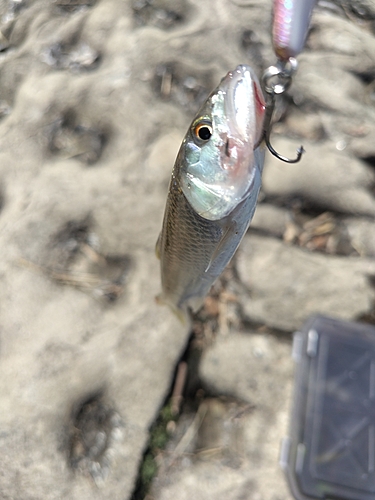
x: 226, y: 237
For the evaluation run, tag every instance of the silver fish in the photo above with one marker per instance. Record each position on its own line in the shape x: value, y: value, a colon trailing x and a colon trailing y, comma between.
x: 213, y: 190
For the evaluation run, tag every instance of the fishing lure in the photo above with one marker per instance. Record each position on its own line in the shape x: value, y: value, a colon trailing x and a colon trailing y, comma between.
x: 291, y: 20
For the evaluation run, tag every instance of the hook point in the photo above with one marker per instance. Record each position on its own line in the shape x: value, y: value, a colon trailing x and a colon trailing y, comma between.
x: 300, y: 152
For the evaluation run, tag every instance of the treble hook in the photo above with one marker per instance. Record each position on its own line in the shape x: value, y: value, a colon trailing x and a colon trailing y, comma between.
x: 283, y: 73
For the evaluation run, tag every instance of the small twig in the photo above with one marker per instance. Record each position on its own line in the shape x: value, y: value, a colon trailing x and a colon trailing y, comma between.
x: 82, y: 280
x: 166, y: 84
x: 178, y: 389
x: 92, y: 254
x: 191, y: 432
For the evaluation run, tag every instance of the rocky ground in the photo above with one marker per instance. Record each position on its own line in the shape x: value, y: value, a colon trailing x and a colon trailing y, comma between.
x: 95, y: 97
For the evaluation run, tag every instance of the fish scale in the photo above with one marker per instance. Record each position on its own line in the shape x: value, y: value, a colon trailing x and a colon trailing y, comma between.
x: 194, y: 247
x: 187, y: 243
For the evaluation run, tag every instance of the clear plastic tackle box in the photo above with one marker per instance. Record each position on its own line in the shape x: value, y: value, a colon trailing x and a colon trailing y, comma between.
x: 330, y: 450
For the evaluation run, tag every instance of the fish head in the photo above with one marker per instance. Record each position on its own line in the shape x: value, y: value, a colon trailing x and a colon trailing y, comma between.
x: 217, y: 165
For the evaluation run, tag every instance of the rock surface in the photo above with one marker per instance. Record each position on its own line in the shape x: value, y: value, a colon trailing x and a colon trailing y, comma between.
x: 325, y: 178
x: 80, y: 329
x: 235, y: 448
x: 287, y: 284
x: 95, y: 97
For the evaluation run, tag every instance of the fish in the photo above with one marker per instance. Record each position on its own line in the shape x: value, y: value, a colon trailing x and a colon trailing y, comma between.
x: 213, y: 190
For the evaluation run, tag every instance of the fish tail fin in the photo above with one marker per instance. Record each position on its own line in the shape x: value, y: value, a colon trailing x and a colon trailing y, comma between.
x: 181, y: 313
x: 195, y: 304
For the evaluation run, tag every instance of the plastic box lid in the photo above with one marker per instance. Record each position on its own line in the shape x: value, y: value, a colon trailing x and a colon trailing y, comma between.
x: 330, y: 450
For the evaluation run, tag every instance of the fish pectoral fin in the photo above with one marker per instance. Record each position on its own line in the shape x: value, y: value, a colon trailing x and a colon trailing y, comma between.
x: 229, y: 232
x: 157, y: 247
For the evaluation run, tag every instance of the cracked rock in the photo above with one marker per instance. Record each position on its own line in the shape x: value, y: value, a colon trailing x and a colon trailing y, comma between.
x: 287, y: 284
x: 335, y: 78
x: 66, y: 230
x: 252, y: 367
x: 270, y: 219
x: 257, y: 369
x: 325, y: 178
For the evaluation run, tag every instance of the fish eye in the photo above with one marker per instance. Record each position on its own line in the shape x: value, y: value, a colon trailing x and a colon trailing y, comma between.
x: 203, y: 131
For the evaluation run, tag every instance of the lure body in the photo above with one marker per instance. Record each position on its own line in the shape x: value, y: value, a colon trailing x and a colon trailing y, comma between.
x: 213, y: 190
x: 291, y: 19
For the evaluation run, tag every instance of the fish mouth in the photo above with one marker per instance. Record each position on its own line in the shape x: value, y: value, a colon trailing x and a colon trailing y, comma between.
x: 244, y: 104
